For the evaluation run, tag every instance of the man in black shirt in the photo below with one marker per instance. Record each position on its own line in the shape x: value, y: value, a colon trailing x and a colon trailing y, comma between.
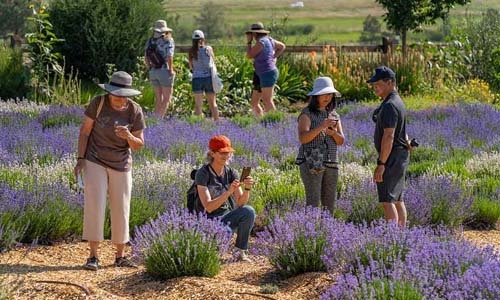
x: 391, y: 142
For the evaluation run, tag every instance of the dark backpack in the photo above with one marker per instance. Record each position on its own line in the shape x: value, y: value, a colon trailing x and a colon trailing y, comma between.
x: 193, y: 201
x: 154, y: 56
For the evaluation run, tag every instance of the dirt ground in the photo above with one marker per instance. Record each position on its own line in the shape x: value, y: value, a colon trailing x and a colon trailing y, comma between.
x: 55, y: 272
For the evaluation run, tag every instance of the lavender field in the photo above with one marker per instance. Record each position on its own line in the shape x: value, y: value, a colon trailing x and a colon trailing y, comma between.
x: 453, y: 182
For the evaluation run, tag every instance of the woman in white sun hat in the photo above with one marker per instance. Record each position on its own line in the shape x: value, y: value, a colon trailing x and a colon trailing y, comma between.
x: 112, y: 126
x: 200, y: 58
x: 161, y: 75
x: 320, y: 133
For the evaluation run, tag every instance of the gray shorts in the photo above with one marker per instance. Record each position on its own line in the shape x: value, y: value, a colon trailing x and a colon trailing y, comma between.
x: 161, y: 77
x: 391, y: 189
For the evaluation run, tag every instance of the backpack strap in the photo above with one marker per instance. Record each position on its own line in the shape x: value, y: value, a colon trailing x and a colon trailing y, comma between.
x: 100, y: 107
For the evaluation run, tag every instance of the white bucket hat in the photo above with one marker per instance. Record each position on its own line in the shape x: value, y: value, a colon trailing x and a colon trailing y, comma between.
x: 161, y: 26
x: 198, y: 35
x: 323, y: 85
x: 120, y: 85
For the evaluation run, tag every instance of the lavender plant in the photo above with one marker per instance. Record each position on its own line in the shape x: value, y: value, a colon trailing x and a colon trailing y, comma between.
x: 295, y: 242
x: 182, y: 244
x: 359, y: 203
x: 431, y: 264
x: 435, y: 200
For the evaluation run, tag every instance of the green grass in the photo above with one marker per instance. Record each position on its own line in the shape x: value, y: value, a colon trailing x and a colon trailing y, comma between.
x: 339, y: 21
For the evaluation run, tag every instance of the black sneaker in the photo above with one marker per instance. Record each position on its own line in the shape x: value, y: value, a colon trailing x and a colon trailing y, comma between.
x: 92, y: 264
x: 124, y: 262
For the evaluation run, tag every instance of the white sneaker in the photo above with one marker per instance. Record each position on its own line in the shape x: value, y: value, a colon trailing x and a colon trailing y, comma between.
x: 242, y: 255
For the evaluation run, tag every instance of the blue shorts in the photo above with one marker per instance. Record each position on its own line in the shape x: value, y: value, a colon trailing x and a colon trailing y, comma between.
x: 269, y: 78
x: 203, y: 84
x: 161, y: 77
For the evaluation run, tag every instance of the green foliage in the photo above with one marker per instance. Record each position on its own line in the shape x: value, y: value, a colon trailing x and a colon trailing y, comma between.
x: 54, y: 220
x: 303, y: 256
x: 143, y: 210
x: 404, y: 16
x: 275, y: 116
x: 384, y: 254
x: 182, y: 253
x: 14, y: 15
x: 372, y: 30
x: 11, y: 231
x: 276, y: 189
x: 290, y: 85
x: 65, y: 89
x: 113, y: 31
x: 269, y: 289
x: 41, y: 49
x: 14, y: 77
x: 486, y: 213
x: 243, y: 121
x: 212, y: 20
x: 474, y: 49
x: 383, y: 289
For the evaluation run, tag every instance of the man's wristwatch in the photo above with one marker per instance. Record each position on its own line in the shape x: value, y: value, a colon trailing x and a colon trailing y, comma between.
x: 380, y: 163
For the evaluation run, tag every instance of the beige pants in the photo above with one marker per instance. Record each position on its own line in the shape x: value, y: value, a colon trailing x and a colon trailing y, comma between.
x: 99, y: 182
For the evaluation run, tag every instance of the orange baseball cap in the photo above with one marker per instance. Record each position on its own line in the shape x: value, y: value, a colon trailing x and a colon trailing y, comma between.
x: 220, y: 143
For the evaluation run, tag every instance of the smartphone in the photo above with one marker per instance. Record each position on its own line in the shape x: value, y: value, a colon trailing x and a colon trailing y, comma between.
x: 80, y: 181
x: 245, y: 173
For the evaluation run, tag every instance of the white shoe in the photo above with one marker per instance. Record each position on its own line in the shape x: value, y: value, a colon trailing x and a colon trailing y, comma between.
x: 242, y: 255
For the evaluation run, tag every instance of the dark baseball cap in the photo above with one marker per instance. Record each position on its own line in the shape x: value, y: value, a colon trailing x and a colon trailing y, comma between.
x: 381, y: 73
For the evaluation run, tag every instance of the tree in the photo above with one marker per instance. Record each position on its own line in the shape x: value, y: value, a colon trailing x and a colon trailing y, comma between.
x: 408, y: 15
x: 13, y: 14
x: 211, y: 20
x: 99, y: 32
x: 371, y: 30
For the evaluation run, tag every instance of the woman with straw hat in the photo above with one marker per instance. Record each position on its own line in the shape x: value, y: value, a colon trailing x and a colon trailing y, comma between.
x: 264, y: 53
x: 112, y: 126
x: 162, y: 76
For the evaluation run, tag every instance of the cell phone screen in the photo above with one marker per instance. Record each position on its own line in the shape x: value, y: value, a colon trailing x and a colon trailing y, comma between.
x: 245, y: 173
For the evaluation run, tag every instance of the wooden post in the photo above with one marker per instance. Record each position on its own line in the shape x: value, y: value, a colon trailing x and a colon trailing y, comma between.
x: 386, y: 49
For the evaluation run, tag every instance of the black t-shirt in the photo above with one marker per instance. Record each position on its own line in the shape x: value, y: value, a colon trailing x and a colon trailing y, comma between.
x: 391, y: 114
x: 217, y: 185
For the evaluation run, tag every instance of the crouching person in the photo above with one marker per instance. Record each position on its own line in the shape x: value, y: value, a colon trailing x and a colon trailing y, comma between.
x: 224, y: 196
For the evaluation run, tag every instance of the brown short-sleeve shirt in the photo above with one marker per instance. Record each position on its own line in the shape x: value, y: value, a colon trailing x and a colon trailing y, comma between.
x: 104, y: 147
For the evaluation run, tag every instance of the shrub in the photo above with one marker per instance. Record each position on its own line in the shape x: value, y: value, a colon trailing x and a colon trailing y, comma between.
x: 473, y: 52
x: 430, y: 264
x: 359, y: 203
x: 97, y: 38
x: 295, y: 243
x: 436, y: 200
x: 182, y: 244
x: 14, y: 78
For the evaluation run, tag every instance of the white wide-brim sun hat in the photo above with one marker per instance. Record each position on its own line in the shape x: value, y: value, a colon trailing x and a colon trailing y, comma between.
x: 323, y: 85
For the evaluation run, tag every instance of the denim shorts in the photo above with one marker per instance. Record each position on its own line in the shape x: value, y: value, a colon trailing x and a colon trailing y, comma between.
x: 256, y: 83
x: 269, y: 78
x: 161, y: 77
x: 203, y: 84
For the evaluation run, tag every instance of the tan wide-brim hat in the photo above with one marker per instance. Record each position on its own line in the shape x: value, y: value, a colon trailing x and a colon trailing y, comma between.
x: 257, y: 28
x: 161, y: 26
x: 120, y: 85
